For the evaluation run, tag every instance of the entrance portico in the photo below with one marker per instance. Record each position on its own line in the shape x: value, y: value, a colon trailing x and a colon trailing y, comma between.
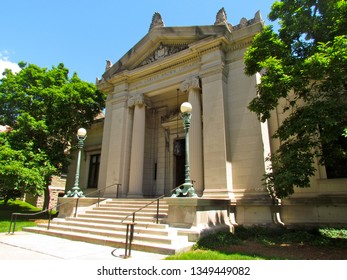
x: 143, y: 140
x: 141, y: 149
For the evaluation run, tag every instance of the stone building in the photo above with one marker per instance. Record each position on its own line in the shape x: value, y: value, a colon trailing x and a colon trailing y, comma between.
x: 139, y: 144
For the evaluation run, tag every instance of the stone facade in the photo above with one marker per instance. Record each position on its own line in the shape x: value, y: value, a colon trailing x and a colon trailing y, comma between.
x: 140, y: 138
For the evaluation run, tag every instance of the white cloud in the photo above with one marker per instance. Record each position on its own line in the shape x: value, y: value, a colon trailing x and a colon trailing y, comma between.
x: 5, y: 63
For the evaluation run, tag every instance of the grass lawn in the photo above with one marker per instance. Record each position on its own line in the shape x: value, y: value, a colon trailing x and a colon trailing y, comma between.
x: 16, y: 206
x: 212, y: 255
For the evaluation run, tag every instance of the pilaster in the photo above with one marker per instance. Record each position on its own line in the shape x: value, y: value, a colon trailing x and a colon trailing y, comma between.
x: 192, y: 86
x: 115, y: 130
x: 217, y: 162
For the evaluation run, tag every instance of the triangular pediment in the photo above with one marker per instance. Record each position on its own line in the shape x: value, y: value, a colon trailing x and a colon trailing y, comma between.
x: 161, y: 43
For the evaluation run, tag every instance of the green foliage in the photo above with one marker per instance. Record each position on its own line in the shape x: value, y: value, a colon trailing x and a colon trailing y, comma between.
x: 334, y: 233
x: 44, y: 108
x: 324, y: 236
x: 303, y: 74
x: 216, y: 240
x: 22, y: 171
x: 211, y: 255
x: 220, y: 246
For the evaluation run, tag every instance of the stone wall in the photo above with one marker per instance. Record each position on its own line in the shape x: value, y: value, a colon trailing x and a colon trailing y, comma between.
x: 56, y: 190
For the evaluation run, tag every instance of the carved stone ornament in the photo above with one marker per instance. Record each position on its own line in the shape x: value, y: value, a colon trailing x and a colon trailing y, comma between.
x: 257, y: 17
x: 108, y: 65
x: 190, y: 83
x: 170, y: 116
x: 139, y: 99
x: 221, y: 17
x: 163, y: 51
x: 243, y: 22
x: 157, y: 21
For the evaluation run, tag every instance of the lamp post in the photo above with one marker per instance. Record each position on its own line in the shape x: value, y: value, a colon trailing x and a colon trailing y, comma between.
x: 76, y: 191
x: 188, y: 189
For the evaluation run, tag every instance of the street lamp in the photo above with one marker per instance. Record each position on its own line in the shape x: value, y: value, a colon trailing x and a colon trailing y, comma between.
x: 76, y: 191
x: 188, y: 189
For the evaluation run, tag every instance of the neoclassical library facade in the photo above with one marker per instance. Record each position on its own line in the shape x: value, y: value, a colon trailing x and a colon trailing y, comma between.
x: 139, y: 144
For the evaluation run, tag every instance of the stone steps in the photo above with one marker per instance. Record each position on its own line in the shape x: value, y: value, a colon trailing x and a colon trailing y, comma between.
x: 103, y: 225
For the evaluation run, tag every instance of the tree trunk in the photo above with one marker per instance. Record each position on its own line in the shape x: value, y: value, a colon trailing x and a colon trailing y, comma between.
x: 47, y: 196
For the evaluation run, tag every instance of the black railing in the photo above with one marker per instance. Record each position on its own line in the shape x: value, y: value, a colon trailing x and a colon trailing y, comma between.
x: 131, y: 224
x: 14, y: 216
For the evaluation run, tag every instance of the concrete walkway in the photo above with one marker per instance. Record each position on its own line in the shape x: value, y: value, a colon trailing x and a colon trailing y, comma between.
x: 30, y: 246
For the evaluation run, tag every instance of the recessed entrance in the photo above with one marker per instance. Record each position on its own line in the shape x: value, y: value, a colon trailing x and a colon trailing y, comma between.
x: 180, y: 159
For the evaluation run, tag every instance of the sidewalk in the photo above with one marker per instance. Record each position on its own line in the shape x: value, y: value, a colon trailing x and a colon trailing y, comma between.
x: 30, y: 246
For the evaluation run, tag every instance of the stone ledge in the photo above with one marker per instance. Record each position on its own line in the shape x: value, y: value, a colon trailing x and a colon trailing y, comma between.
x: 199, y: 216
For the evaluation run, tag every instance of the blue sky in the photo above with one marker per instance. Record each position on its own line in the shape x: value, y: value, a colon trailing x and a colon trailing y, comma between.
x: 82, y: 34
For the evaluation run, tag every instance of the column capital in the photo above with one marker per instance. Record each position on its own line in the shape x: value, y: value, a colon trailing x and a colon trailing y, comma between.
x: 138, y: 99
x: 190, y: 83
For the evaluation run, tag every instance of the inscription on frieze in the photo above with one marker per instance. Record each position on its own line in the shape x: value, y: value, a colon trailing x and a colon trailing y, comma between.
x: 166, y: 74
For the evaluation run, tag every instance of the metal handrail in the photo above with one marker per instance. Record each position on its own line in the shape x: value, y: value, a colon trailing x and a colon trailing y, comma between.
x: 49, y: 210
x: 149, y: 203
x: 129, y: 236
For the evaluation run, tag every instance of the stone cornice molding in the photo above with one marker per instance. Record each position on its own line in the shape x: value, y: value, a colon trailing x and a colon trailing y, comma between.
x: 190, y: 83
x: 165, y: 65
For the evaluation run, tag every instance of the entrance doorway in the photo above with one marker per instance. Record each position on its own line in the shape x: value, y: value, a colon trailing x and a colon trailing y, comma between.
x: 180, y: 160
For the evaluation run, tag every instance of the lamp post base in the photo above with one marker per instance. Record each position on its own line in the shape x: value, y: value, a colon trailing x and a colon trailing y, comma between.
x: 75, y: 192
x: 186, y: 190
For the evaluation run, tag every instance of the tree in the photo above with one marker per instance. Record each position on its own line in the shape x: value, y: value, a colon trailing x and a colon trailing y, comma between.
x: 22, y: 171
x: 45, y: 108
x: 303, y: 66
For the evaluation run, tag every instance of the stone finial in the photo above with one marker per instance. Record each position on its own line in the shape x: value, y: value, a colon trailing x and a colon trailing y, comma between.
x: 243, y: 22
x: 157, y: 21
x: 257, y: 17
x: 108, y: 65
x: 221, y: 17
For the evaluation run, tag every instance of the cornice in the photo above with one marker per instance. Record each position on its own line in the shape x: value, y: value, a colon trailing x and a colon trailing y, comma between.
x: 180, y: 54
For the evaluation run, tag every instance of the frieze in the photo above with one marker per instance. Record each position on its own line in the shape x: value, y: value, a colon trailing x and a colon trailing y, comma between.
x: 166, y: 74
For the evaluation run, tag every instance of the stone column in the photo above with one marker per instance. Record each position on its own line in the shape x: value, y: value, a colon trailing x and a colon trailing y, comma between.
x: 192, y: 86
x: 137, y: 145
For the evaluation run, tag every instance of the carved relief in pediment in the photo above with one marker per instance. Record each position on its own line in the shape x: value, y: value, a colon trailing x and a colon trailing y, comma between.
x: 163, y: 51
